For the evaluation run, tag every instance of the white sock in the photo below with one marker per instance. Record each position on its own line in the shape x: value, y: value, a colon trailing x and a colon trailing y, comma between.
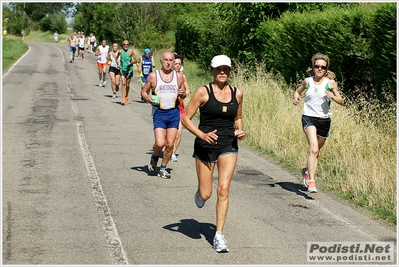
x: 218, y: 234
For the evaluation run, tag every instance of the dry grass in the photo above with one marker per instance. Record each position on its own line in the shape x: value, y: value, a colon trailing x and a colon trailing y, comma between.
x: 358, y: 161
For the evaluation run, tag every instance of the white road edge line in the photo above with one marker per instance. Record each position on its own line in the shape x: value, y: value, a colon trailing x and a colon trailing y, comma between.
x: 114, y: 242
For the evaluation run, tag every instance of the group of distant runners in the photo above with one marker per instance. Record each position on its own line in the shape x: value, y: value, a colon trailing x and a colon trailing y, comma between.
x: 121, y: 65
x: 77, y: 43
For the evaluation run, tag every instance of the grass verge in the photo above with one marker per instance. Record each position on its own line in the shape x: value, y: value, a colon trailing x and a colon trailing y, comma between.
x: 13, y: 49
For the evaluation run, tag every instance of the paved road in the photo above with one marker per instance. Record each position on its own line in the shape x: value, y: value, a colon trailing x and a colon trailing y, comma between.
x: 76, y: 188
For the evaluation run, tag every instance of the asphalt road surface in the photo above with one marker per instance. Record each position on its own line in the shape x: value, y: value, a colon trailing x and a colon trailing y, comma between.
x: 76, y: 190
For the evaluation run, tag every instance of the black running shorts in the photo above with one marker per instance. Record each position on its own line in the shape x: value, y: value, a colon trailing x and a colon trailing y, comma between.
x: 322, y: 125
x: 115, y: 70
x: 210, y: 153
x: 127, y: 74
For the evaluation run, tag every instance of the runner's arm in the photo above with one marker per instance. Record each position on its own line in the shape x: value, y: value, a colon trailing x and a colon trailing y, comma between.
x: 238, y: 124
x: 188, y: 92
x: 139, y: 65
x: 182, y: 88
x: 118, y: 59
x: 149, y: 84
x: 132, y: 54
x: 97, y: 51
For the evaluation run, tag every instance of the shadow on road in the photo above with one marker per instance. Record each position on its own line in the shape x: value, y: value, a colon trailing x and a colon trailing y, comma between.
x: 193, y: 229
x: 298, y: 189
x: 145, y: 167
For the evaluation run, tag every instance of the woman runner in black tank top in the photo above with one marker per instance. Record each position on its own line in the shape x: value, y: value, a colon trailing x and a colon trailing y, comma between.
x: 215, y: 144
x: 219, y: 115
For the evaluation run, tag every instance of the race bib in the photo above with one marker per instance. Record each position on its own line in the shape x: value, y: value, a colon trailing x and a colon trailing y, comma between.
x: 146, y: 70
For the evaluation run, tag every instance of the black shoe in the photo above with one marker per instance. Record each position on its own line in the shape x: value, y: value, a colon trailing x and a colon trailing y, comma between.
x: 117, y: 88
x: 70, y: 61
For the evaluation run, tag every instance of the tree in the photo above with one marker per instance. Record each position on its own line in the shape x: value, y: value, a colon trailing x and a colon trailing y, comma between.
x: 54, y: 23
x: 116, y: 22
x: 37, y: 11
x: 27, y: 16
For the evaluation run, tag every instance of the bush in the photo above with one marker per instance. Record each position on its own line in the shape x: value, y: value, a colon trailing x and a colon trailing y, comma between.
x: 58, y: 23
x: 45, y: 24
x: 54, y: 22
x: 384, y: 45
x: 153, y: 39
x: 197, y: 42
x: 15, y: 26
x: 188, y: 36
x: 344, y: 34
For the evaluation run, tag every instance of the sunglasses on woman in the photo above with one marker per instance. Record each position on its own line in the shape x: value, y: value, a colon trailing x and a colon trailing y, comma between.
x: 320, y: 66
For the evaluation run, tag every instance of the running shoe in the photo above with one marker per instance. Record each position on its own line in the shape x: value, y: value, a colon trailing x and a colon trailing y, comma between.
x: 163, y: 173
x: 312, y: 187
x: 113, y: 96
x: 104, y: 82
x: 306, y: 177
x: 70, y: 61
x: 100, y: 85
x: 198, y: 200
x: 174, y: 158
x: 126, y: 99
x: 219, y: 243
x: 310, y: 184
x: 152, y: 167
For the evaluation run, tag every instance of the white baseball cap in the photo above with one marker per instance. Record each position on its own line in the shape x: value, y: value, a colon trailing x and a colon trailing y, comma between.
x: 220, y: 60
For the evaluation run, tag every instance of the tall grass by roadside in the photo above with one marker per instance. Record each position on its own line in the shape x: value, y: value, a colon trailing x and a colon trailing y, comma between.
x: 13, y: 49
x: 358, y: 161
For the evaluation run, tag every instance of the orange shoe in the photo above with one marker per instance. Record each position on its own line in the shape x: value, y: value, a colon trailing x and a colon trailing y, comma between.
x: 123, y: 102
x: 312, y: 187
x: 126, y: 99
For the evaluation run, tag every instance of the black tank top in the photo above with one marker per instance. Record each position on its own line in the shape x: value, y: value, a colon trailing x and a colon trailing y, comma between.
x: 218, y: 115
